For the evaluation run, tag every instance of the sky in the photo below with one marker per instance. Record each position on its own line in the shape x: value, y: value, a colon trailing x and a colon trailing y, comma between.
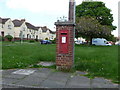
x: 46, y: 12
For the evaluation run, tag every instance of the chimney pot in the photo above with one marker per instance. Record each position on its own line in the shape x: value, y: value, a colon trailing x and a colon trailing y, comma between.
x: 23, y: 20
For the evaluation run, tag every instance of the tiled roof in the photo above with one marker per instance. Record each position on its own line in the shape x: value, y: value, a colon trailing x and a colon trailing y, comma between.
x: 4, y: 20
x: 44, y: 29
x: 38, y: 27
x: 30, y: 26
x: 17, y: 23
x: 53, y: 32
x: 0, y: 20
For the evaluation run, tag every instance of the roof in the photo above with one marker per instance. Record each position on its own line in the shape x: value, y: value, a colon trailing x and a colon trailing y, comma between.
x: 52, y: 32
x: 44, y: 29
x: 38, y: 27
x: 30, y: 26
x: 0, y: 20
x: 17, y: 23
x: 4, y: 20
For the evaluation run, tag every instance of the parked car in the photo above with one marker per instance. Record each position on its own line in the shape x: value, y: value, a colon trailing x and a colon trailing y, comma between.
x: 45, y: 42
x: 100, y: 41
x: 79, y: 42
x: 117, y: 43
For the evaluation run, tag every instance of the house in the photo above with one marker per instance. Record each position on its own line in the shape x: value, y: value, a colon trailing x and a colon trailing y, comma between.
x: 47, y: 34
x: 39, y: 33
x: 7, y: 27
x: 1, y: 30
x: 20, y: 29
x: 52, y: 35
x: 32, y: 31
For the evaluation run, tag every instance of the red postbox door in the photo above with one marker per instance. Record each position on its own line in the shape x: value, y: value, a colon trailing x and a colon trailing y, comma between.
x: 63, y: 47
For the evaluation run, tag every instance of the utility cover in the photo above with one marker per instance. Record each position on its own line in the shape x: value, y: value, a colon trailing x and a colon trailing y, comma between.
x: 24, y: 72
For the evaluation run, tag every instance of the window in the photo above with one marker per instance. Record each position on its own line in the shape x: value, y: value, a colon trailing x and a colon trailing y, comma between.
x: 33, y: 36
x: 23, y: 28
x: 9, y: 26
x: 30, y: 36
x: 30, y: 30
x: 23, y: 36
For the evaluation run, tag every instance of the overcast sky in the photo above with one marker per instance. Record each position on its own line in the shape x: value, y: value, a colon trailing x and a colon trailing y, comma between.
x: 46, y: 12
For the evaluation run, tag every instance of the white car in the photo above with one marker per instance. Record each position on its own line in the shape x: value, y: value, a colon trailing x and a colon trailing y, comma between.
x: 78, y: 42
x: 117, y: 43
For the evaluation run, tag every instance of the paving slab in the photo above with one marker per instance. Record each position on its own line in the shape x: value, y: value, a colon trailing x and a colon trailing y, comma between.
x: 53, y: 84
x: 45, y: 70
x: 102, y: 83
x: 42, y: 73
x: 59, y: 76
x: 78, y: 82
x: 7, y: 72
x: 49, y: 78
x: 9, y: 86
x: 9, y: 81
x: 14, y: 76
x: 0, y: 81
x: 31, y: 81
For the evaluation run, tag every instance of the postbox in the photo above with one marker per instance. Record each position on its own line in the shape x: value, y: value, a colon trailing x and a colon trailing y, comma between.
x: 64, y: 41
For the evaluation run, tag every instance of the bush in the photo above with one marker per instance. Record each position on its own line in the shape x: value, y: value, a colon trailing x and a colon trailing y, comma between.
x: 46, y: 38
x: 9, y: 37
x: 1, y: 38
x: 53, y: 41
x: 32, y: 41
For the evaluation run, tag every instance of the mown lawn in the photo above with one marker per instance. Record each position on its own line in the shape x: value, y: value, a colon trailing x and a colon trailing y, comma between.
x: 97, y: 60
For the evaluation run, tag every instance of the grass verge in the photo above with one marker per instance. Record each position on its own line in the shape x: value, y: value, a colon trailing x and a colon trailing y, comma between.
x: 99, y: 61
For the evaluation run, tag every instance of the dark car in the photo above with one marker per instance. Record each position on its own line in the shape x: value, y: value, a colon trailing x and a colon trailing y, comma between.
x: 45, y: 42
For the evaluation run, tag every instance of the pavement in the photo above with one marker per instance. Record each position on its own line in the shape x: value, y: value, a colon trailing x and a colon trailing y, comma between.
x: 50, y: 78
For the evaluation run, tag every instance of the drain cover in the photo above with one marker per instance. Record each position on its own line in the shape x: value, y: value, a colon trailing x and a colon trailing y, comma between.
x: 46, y: 63
x: 24, y: 72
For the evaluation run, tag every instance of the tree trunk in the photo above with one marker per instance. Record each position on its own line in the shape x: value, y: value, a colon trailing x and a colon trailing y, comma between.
x: 90, y: 40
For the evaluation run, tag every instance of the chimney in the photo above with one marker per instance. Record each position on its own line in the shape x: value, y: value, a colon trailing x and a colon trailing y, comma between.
x: 23, y: 20
x: 71, y: 11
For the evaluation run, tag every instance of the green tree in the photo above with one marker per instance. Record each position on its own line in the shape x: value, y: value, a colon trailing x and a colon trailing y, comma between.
x: 9, y: 37
x: 97, y: 10
x: 89, y: 27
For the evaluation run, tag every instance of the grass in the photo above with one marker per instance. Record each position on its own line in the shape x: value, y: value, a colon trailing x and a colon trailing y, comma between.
x: 96, y: 60
x: 16, y: 55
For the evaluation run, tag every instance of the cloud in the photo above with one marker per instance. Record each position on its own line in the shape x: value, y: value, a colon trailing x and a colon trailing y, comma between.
x: 37, y: 6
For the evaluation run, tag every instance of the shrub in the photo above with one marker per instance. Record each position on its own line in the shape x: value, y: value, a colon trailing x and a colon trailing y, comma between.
x: 32, y: 41
x: 46, y: 38
x: 9, y: 37
x: 1, y: 38
x: 53, y: 41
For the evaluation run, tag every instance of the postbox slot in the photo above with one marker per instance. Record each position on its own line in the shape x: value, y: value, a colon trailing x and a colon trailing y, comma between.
x: 63, y: 33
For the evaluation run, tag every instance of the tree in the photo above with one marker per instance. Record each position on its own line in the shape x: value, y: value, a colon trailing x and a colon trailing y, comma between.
x: 9, y: 37
x: 89, y: 27
x: 97, y: 10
